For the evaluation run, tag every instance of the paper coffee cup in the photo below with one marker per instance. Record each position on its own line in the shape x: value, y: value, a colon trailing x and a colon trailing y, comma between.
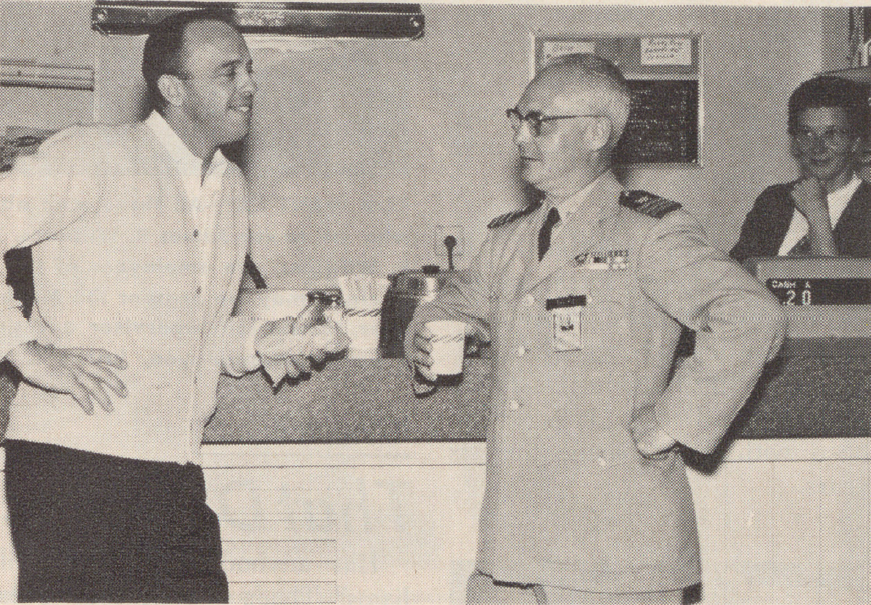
x: 448, y: 344
x: 363, y: 326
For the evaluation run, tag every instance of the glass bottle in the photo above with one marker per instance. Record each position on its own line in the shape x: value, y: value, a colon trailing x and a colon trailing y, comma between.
x: 312, y: 314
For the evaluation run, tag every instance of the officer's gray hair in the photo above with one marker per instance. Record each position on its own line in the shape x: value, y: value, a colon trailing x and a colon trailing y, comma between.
x: 600, y: 79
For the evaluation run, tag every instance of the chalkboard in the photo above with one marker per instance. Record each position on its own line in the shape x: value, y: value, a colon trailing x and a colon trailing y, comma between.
x: 663, y: 124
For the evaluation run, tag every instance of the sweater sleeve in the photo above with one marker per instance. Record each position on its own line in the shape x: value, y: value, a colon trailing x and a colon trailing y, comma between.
x: 240, y: 356
x: 42, y: 195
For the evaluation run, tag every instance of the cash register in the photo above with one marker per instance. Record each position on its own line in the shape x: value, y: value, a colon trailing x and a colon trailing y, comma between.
x: 823, y: 297
x: 820, y: 384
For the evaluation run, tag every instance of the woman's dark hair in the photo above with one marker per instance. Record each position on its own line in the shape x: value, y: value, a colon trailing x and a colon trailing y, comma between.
x: 832, y: 92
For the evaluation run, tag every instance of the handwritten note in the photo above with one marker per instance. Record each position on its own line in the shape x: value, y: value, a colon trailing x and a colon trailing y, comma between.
x: 551, y: 49
x: 666, y: 51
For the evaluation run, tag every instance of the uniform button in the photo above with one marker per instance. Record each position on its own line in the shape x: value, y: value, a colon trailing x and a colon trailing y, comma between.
x: 199, y: 290
x: 514, y: 405
x: 521, y: 351
x: 196, y: 232
x: 529, y: 300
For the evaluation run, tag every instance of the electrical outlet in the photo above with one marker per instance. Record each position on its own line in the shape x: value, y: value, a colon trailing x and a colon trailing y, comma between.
x: 442, y: 232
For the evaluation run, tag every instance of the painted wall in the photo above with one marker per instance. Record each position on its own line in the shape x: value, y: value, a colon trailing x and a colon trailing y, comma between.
x: 360, y: 148
x: 53, y: 33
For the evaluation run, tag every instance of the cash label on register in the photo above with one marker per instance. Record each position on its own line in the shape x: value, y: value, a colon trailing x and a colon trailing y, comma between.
x: 821, y: 291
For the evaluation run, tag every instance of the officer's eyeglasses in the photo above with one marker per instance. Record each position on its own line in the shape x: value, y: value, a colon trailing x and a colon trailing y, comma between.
x: 832, y: 137
x: 535, y: 119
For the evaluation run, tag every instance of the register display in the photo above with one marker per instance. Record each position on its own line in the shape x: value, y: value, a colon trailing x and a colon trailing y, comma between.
x: 821, y: 291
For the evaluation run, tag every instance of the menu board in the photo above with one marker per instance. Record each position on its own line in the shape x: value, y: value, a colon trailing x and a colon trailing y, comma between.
x: 663, y: 123
x: 663, y: 73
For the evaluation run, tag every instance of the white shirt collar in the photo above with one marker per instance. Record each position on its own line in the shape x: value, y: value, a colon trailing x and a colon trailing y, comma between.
x: 188, y: 165
x: 569, y: 206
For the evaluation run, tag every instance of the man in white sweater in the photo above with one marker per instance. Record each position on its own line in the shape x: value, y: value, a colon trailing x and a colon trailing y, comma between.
x: 139, y: 235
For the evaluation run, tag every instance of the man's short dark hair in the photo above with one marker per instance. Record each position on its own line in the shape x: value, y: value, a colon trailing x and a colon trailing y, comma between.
x: 162, y: 54
x: 836, y: 93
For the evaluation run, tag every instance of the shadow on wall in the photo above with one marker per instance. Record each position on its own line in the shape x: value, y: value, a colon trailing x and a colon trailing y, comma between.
x: 19, y: 275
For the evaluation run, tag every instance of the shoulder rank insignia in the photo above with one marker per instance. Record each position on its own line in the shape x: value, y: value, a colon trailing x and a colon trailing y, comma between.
x: 504, y: 219
x: 647, y: 203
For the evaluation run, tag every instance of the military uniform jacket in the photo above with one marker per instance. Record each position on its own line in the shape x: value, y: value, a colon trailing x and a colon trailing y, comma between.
x: 583, y: 341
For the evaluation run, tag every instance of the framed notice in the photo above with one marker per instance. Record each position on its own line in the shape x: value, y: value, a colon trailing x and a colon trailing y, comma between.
x: 663, y: 72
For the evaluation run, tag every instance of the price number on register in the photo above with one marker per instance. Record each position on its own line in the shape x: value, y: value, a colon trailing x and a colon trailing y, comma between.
x: 821, y: 291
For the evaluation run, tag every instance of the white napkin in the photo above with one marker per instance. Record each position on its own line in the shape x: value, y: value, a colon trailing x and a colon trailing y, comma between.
x: 276, y: 348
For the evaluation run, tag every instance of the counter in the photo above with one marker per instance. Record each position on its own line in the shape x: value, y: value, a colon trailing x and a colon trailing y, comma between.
x: 393, y: 483
x: 815, y: 388
x: 345, y: 488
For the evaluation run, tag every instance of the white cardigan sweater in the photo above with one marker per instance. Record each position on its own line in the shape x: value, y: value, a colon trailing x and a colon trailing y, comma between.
x: 116, y: 267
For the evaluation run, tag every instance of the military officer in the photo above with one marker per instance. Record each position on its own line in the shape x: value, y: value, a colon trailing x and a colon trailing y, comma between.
x: 583, y: 297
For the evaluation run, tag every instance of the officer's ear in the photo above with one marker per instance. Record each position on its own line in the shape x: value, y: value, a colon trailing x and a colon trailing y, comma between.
x: 599, y: 133
x: 172, y: 89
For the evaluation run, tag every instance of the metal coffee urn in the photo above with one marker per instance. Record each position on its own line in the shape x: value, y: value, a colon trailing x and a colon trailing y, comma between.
x: 407, y: 289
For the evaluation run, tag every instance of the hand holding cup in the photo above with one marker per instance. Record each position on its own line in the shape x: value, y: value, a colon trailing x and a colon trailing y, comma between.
x: 284, y: 351
x: 419, y: 356
x: 436, y: 349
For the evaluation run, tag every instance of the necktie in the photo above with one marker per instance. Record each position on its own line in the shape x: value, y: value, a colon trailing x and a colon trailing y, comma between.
x: 546, y: 229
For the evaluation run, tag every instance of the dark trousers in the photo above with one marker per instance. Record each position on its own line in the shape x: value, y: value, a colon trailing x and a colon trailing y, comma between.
x: 89, y: 527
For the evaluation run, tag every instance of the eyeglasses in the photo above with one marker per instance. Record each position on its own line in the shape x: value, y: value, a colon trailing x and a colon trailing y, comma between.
x: 535, y: 119
x: 832, y: 137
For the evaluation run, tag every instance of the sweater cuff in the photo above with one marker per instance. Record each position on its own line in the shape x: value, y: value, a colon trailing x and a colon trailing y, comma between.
x: 252, y: 360
x: 237, y: 336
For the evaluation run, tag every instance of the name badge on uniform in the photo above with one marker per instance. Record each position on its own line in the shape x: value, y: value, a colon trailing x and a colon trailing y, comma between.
x: 566, y: 314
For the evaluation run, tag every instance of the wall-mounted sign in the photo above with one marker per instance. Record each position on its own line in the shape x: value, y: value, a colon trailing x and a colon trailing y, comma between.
x: 664, y: 74
x: 668, y: 50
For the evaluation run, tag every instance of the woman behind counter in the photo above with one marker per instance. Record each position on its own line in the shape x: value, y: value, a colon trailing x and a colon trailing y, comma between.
x: 827, y: 211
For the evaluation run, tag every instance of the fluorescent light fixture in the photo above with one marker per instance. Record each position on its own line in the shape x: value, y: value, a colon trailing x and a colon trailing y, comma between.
x: 305, y: 19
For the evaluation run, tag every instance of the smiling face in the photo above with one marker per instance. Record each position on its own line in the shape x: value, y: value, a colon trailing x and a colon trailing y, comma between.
x: 566, y: 154
x: 824, y: 146
x: 217, y: 86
